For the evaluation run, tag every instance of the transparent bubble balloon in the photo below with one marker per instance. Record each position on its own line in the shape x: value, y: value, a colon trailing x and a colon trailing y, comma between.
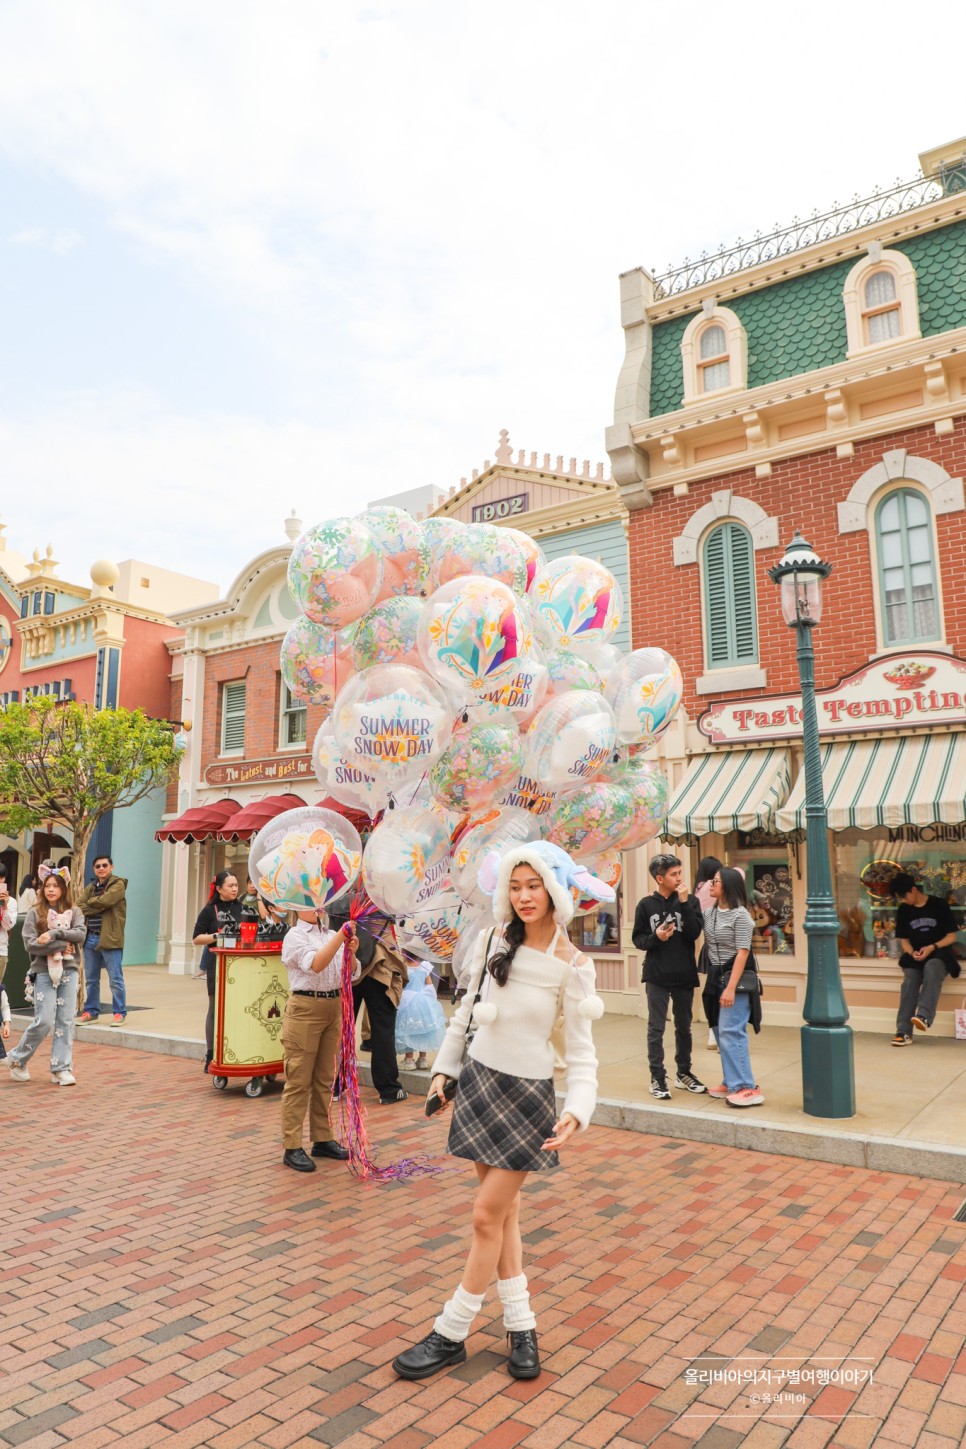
x: 432, y: 935
x: 645, y: 690
x: 534, y: 796
x: 580, y: 600
x: 305, y: 859
x: 402, y: 541
x: 569, y: 671
x: 472, y: 636
x: 497, y: 828
x: 606, y: 867
x: 347, y: 784
x: 472, y: 925
x: 480, y: 761
x: 393, y: 722
x: 650, y: 792
x: 335, y: 572
x: 594, y: 818
x: 315, y: 662
x: 480, y: 549
x: 532, y: 552
x: 570, y: 739
x: 524, y: 692
x: 406, y: 847
x: 388, y: 634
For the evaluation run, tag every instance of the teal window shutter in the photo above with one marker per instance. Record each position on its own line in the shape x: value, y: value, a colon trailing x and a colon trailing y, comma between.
x: 907, y: 571
x: 730, y: 613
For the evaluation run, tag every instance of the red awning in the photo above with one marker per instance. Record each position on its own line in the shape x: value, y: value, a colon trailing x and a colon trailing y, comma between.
x: 251, y: 819
x: 201, y: 823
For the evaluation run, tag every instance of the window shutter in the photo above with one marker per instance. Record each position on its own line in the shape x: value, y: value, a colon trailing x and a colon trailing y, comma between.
x: 729, y: 590
x: 233, y: 716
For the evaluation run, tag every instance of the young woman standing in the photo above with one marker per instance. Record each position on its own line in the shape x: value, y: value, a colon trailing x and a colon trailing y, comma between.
x: 505, y: 1117
x: 223, y: 911
x: 55, y: 1007
x: 728, y: 929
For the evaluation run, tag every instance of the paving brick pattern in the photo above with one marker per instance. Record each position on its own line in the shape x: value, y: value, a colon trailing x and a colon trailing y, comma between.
x: 167, y: 1281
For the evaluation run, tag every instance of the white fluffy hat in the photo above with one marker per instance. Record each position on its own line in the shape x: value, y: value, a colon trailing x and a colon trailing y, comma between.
x: 555, y: 868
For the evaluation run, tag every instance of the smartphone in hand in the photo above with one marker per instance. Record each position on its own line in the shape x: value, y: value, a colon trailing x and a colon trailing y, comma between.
x: 433, y: 1102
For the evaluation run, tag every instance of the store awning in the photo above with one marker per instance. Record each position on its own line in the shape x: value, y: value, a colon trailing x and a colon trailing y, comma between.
x: 248, y: 821
x: 200, y: 823
x: 909, y: 780
x: 729, y: 790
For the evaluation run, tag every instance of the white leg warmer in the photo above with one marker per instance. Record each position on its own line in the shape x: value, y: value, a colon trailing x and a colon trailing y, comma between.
x: 456, y: 1319
x: 517, y: 1313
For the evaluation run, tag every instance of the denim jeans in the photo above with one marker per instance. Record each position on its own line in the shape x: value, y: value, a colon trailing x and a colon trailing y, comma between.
x: 54, y: 1008
x: 922, y: 982
x: 95, y: 957
x: 731, y: 1034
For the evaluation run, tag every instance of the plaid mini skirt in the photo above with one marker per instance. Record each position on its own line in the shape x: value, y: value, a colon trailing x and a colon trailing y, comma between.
x: 503, y: 1121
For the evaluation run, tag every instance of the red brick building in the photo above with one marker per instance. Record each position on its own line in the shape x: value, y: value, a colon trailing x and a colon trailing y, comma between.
x: 815, y: 379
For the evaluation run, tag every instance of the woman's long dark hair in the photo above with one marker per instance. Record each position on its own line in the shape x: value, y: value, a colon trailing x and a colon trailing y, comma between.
x: 732, y: 889
x: 707, y: 870
x: 499, y: 965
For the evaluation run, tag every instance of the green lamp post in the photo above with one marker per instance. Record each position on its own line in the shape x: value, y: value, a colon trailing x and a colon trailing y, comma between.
x: 828, y: 1071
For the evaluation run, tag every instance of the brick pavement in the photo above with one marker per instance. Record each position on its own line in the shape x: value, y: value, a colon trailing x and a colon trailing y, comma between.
x: 167, y: 1281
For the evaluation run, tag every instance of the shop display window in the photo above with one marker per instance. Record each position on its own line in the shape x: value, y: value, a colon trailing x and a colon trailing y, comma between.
x: 866, y: 861
x: 600, y: 930
x: 768, y: 882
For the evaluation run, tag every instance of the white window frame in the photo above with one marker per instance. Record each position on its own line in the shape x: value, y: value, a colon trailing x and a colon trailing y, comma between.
x: 233, y: 715
x: 693, y: 365
x: 288, y: 708
x: 857, y: 313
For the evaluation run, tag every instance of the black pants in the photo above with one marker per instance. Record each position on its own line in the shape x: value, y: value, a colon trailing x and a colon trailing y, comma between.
x: 382, y: 1033
x: 681, y: 999
x: 210, y: 1018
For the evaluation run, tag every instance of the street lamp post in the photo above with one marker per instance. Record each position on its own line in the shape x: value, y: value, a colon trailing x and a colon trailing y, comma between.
x: 828, y: 1072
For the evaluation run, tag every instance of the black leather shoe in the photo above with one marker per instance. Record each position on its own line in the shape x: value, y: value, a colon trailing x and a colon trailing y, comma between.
x: 524, y: 1360
x: 298, y: 1158
x: 330, y: 1149
x: 434, y: 1353
x: 208, y: 1061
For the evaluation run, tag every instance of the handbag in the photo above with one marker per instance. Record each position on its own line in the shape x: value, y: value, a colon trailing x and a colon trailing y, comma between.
x: 959, y: 1021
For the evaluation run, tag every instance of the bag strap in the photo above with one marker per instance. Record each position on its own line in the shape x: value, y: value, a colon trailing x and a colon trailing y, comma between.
x: 479, y: 981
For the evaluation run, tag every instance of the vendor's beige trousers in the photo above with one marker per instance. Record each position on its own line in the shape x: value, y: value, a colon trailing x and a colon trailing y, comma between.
x: 310, y: 1042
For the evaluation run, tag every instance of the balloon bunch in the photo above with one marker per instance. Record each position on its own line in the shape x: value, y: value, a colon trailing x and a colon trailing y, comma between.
x: 474, y: 698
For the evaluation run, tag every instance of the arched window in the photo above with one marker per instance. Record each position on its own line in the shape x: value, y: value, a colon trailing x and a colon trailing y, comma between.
x: 907, y: 573
x: 881, y: 313
x: 730, y: 612
x: 714, y: 363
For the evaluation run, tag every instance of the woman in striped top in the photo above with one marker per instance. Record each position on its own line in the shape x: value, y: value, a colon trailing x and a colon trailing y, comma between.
x: 728, y: 929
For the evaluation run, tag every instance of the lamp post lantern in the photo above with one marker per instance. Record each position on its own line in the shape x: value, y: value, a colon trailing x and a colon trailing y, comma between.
x: 828, y: 1071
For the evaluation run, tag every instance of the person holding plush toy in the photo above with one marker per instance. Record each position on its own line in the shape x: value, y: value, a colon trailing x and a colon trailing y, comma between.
x: 522, y: 978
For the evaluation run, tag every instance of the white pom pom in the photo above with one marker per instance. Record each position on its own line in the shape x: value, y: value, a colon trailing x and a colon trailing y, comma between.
x: 592, y: 1008
x: 486, y: 1012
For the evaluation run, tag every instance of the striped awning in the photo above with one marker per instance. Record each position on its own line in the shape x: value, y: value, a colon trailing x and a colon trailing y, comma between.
x: 905, y: 780
x: 729, y: 790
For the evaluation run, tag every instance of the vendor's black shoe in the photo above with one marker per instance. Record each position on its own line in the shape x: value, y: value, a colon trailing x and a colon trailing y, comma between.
x: 299, y: 1159
x: 208, y: 1060
x: 524, y: 1360
x: 434, y: 1353
x: 330, y: 1149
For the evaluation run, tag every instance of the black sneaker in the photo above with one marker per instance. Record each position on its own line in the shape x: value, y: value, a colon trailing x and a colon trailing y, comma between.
x: 659, y: 1089
x: 686, y: 1082
x: 399, y: 1095
x: 920, y: 1023
x: 434, y: 1353
x: 902, y: 1039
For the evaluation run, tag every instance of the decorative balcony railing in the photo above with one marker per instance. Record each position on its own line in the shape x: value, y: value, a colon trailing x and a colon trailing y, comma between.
x: 820, y: 226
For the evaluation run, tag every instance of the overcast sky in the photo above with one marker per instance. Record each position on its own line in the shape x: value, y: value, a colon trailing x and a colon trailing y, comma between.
x: 258, y: 255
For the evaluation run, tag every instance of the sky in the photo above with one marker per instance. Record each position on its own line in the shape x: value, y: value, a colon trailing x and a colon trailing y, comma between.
x: 265, y: 255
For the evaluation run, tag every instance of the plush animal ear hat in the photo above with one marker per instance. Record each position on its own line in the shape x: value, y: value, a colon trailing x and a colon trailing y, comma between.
x: 559, y: 873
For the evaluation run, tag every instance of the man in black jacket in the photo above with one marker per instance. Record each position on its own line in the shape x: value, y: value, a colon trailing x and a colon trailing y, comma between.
x: 666, y: 926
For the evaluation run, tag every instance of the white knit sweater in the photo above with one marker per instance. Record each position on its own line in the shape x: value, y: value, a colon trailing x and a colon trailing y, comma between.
x: 518, y: 1041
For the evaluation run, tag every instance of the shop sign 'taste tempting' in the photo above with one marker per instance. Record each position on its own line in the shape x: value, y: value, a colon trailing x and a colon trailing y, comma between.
x: 904, y: 691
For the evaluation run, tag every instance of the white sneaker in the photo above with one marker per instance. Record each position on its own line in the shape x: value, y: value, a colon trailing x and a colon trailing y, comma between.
x: 64, y: 1079
x: 17, y: 1074
x: 712, y: 1044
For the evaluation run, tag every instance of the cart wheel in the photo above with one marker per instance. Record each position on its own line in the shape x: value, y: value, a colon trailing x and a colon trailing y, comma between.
x: 219, y: 1083
x: 254, y: 1087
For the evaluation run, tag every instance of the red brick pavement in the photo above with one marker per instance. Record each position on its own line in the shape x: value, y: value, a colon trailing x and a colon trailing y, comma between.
x: 166, y: 1281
